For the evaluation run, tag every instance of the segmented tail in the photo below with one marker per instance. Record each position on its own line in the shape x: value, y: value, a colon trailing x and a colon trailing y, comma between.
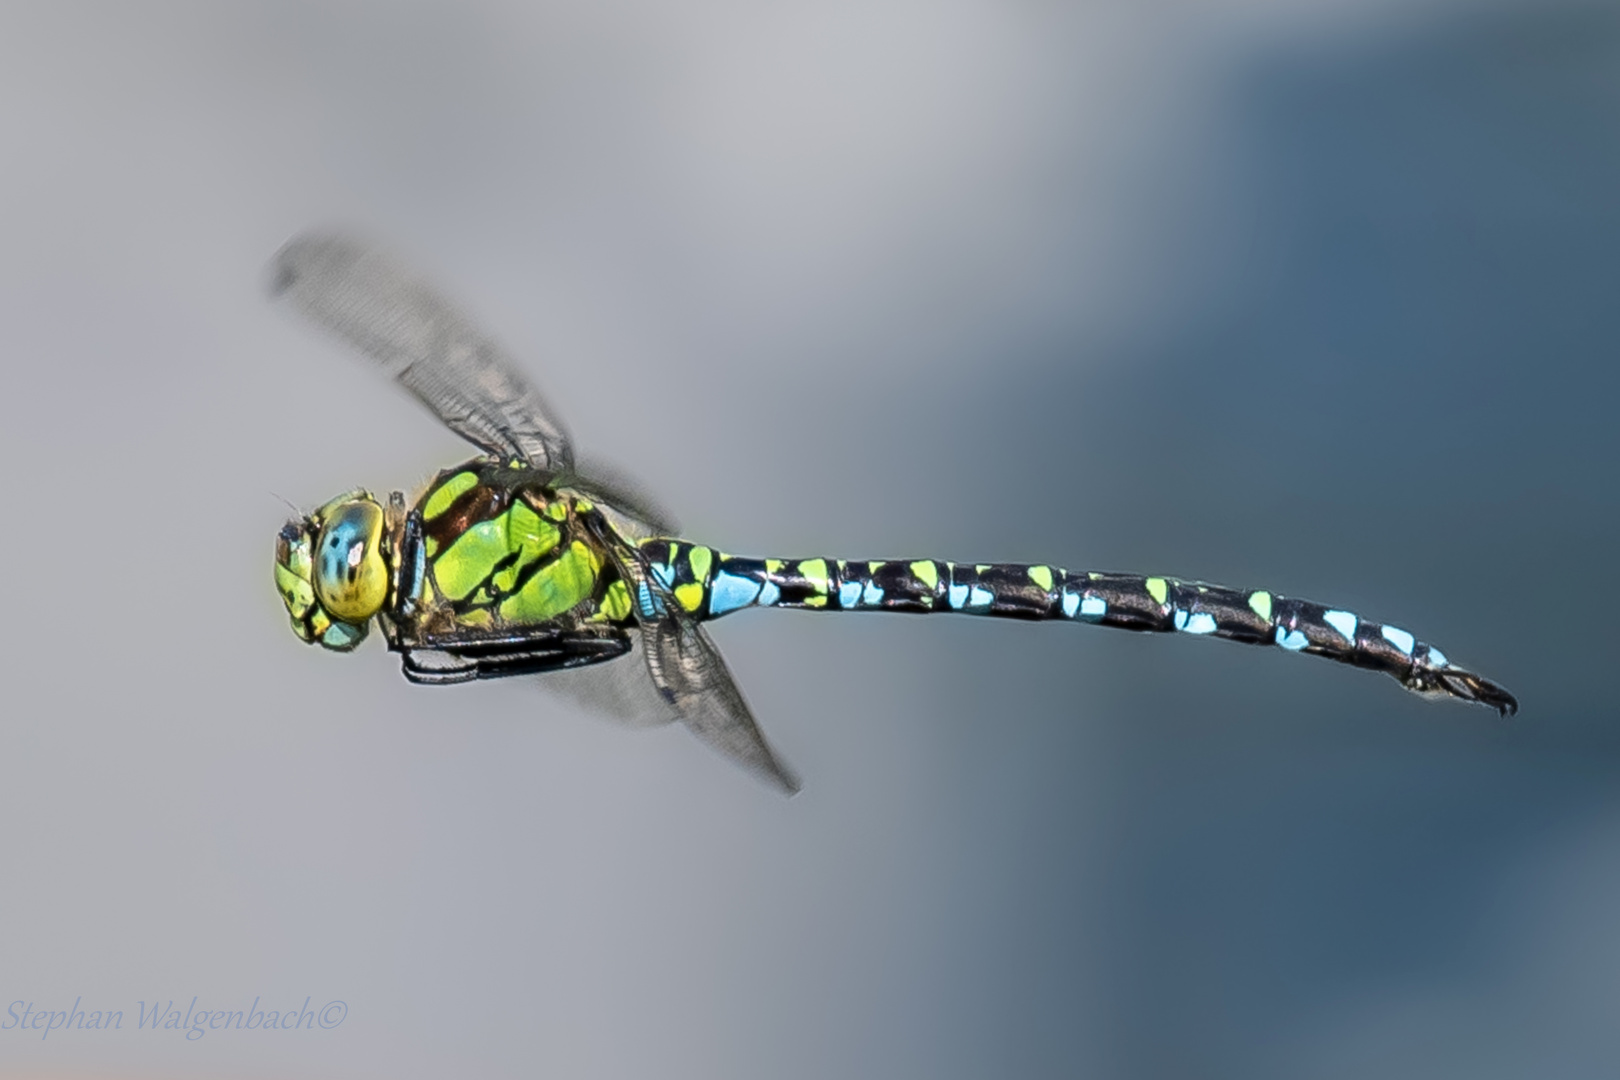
x: 708, y: 584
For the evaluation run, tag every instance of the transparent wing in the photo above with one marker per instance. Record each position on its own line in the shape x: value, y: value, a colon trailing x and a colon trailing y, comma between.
x: 688, y: 670
x: 621, y: 691
x: 387, y: 312
x: 692, y: 678
x: 679, y: 675
x: 630, y: 509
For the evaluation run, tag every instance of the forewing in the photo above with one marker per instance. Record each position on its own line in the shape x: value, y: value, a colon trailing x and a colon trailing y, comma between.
x: 390, y: 314
x: 689, y: 672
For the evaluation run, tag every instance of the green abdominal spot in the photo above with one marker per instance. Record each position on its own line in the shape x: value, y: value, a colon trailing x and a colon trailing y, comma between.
x: 555, y: 588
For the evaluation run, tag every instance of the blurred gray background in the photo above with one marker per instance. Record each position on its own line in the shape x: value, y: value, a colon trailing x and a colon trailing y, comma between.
x: 1316, y: 296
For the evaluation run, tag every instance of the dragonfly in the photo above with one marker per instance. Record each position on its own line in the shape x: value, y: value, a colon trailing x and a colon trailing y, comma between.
x: 517, y: 562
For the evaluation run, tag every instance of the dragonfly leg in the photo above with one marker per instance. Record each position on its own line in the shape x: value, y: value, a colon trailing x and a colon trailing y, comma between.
x: 464, y: 661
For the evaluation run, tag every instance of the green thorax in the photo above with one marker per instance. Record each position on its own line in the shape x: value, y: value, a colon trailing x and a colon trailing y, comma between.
x: 503, y: 549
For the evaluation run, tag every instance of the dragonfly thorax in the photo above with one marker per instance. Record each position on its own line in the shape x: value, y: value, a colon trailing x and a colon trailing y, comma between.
x: 504, y: 552
x: 332, y: 572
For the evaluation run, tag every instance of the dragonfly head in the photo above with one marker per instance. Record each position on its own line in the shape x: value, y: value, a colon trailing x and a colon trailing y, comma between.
x: 331, y: 572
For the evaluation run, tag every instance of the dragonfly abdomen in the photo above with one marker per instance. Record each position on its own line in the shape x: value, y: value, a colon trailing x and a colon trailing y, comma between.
x: 709, y: 584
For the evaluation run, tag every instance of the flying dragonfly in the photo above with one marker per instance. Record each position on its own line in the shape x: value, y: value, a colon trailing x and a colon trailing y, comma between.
x: 517, y: 563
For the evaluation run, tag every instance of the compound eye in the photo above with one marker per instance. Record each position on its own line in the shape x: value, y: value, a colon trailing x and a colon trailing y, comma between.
x: 351, y: 576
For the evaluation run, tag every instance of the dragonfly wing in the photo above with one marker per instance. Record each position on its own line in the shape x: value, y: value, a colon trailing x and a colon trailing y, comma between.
x: 427, y: 346
x: 691, y: 676
x: 630, y: 509
x: 622, y: 691
x: 689, y: 672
